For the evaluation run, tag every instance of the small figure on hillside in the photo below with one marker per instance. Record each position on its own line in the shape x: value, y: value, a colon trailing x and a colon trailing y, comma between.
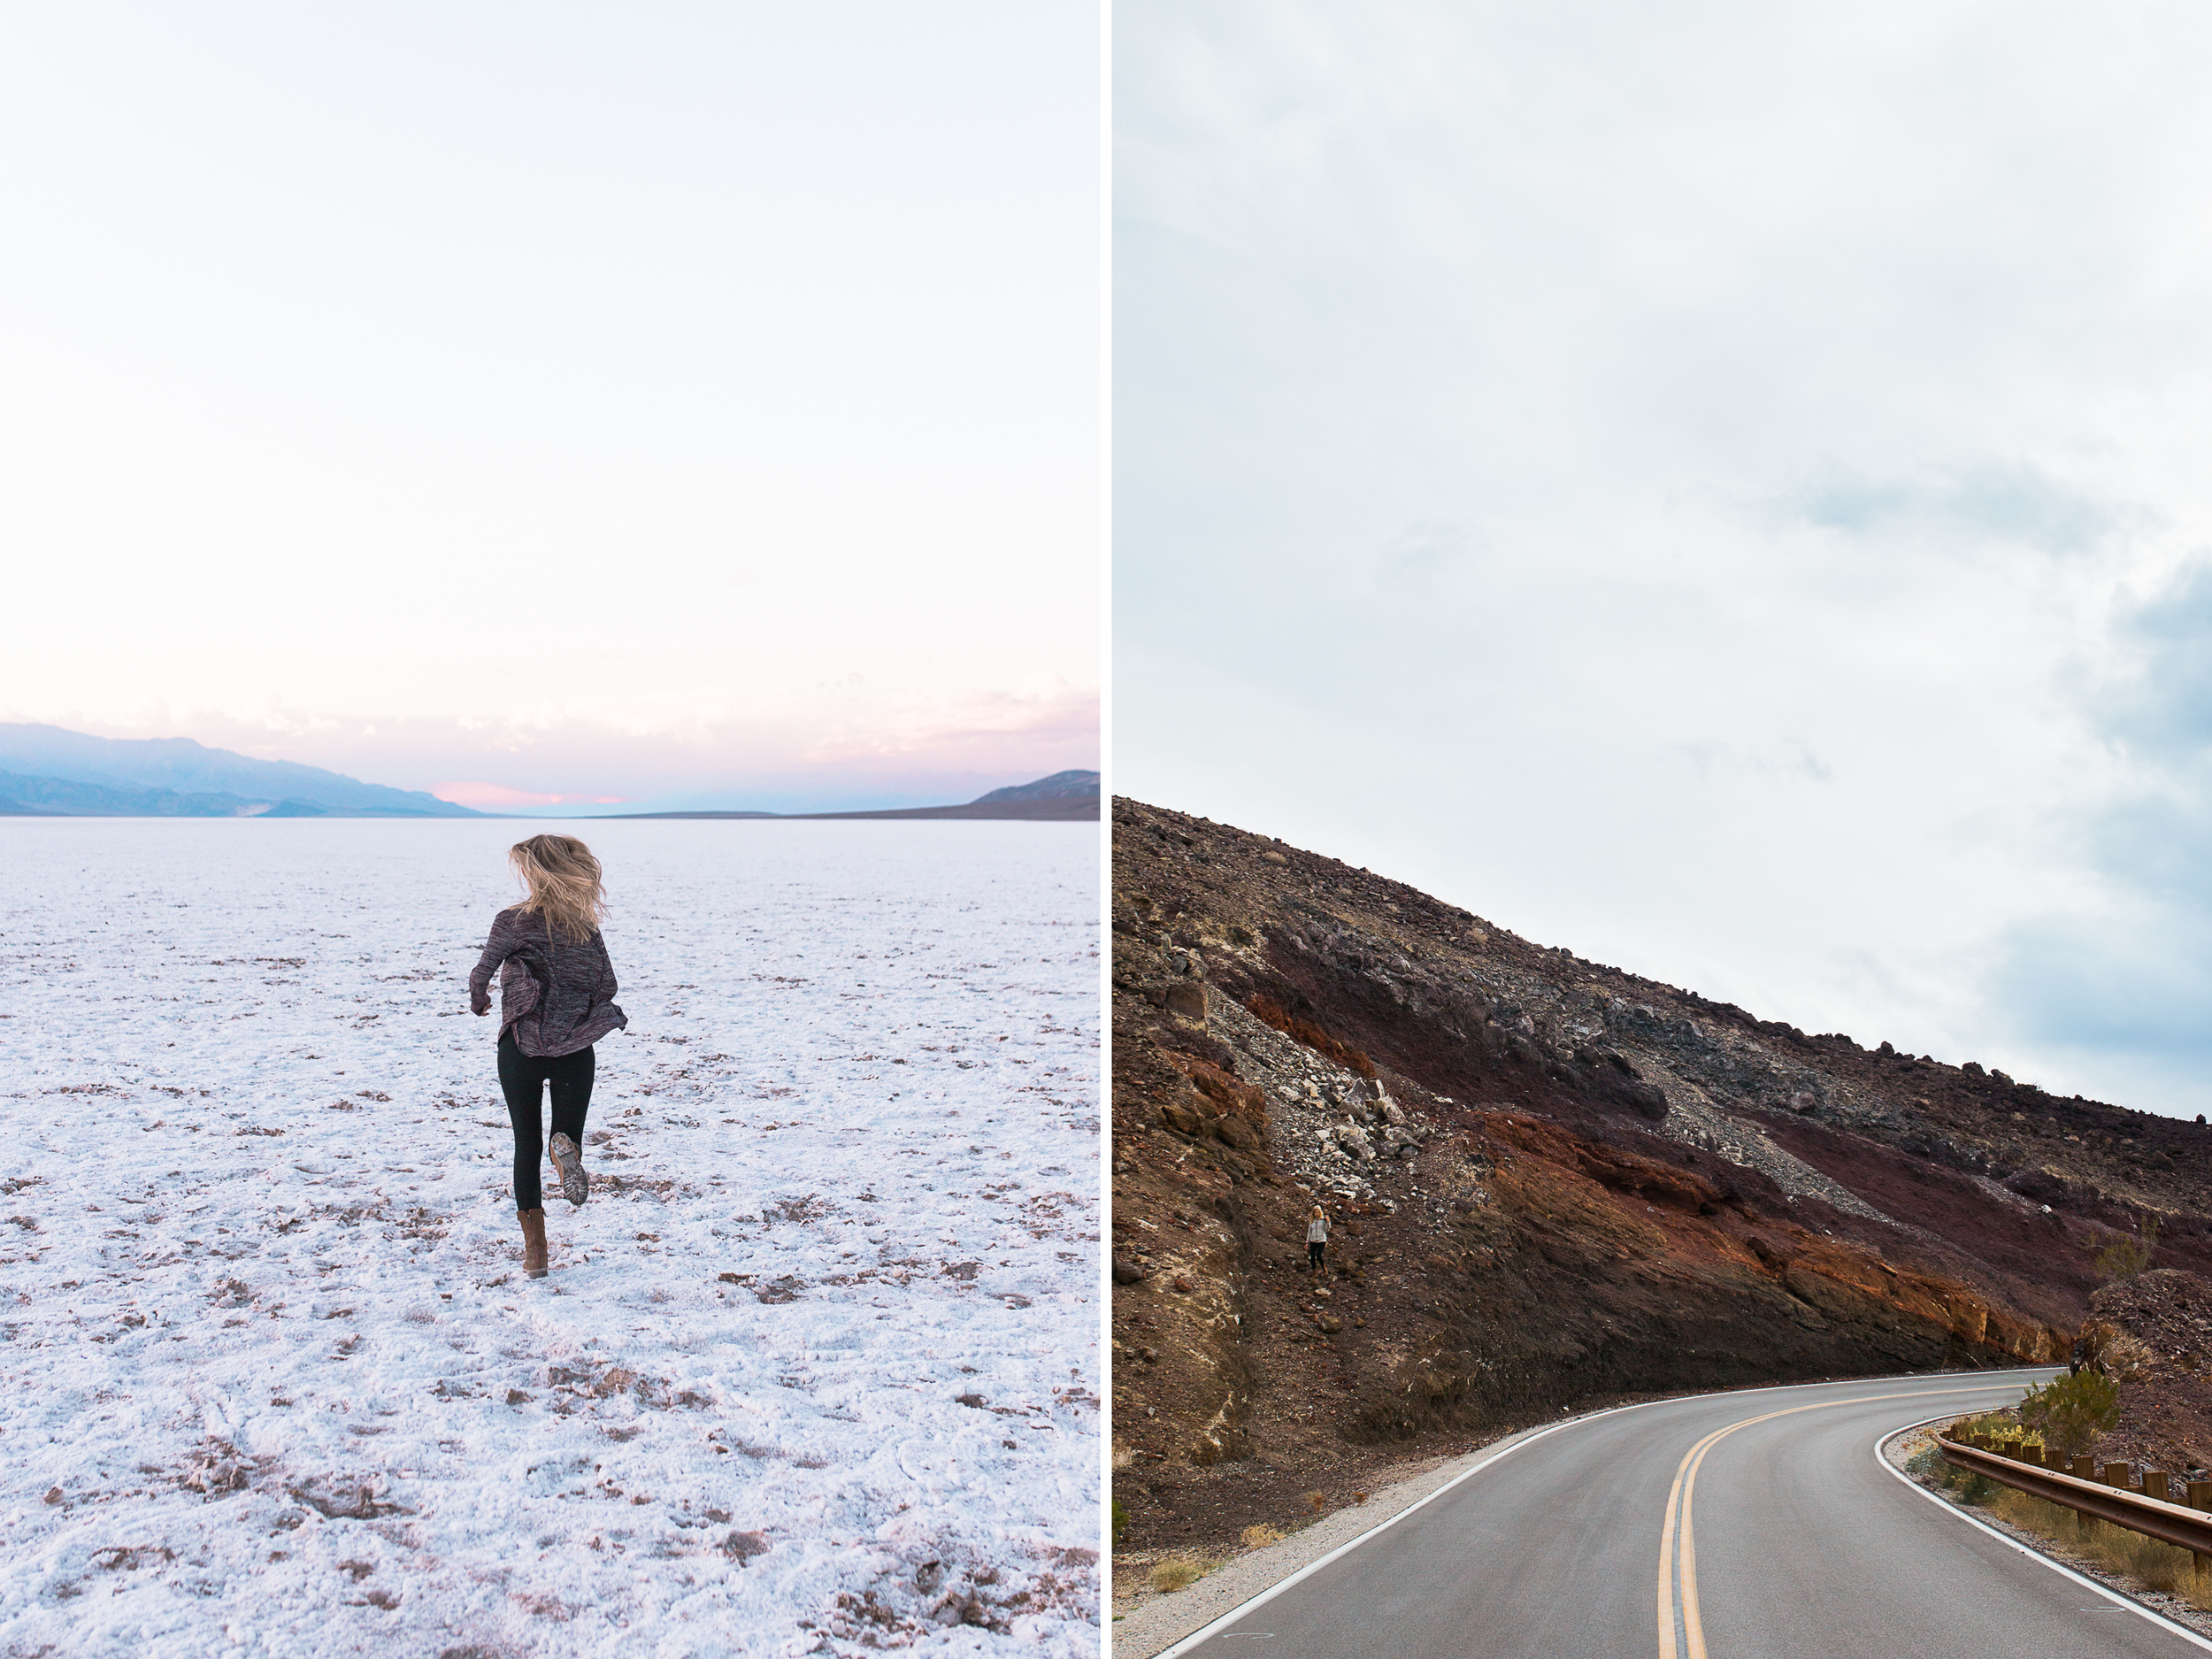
x: 1317, y: 1237
x: 556, y: 999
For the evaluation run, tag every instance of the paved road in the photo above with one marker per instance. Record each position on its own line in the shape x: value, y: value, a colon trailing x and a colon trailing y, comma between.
x: 1750, y: 1525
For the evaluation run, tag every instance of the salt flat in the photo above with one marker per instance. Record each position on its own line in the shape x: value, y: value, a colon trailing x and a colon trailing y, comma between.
x: 816, y: 1370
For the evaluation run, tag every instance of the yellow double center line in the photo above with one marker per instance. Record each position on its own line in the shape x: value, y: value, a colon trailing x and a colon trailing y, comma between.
x: 1693, y: 1643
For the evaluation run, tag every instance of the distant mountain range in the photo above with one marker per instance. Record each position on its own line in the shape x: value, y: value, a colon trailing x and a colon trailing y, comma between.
x: 48, y: 771
x: 1064, y: 797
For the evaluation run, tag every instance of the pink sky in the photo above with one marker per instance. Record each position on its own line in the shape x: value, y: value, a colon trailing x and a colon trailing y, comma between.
x: 493, y: 797
x: 835, y: 751
x: 712, y: 408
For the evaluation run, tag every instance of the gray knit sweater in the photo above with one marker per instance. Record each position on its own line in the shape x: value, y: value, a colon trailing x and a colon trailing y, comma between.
x: 556, y: 995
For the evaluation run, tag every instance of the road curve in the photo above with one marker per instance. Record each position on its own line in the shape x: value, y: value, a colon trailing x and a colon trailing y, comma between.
x: 1754, y: 1525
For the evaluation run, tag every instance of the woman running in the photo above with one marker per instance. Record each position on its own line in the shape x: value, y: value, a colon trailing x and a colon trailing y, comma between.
x: 556, y: 999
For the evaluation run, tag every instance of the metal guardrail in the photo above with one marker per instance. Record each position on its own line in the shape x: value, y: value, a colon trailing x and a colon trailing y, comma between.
x: 2113, y: 1498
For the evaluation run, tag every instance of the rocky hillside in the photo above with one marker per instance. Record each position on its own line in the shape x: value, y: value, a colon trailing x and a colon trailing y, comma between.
x: 1549, y: 1182
x: 2165, y: 1385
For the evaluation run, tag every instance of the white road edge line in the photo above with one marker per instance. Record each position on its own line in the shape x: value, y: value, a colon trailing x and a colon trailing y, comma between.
x: 1207, y: 1632
x: 2127, y: 1602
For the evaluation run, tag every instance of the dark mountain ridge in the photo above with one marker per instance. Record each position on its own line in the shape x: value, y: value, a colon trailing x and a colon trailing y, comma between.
x: 1550, y: 1182
x: 1064, y: 797
x: 1060, y: 785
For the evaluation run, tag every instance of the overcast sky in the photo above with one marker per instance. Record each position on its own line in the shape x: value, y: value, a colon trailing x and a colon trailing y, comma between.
x: 559, y: 399
x: 1720, y: 487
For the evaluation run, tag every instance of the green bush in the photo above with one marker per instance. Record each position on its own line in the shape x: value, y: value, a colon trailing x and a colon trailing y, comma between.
x: 1928, y: 1464
x: 1121, y: 1519
x: 2001, y: 1426
x: 2126, y: 1258
x: 2069, y: 1412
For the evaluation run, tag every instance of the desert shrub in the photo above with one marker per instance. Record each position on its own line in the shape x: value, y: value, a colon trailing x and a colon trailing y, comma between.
x: 2160, y: 1566
x: 1932, y: 1466
x: 2069, y: 1412
x: 1261, y: 1536
x: 1928, y: 1464
x: 1121, y: 1520
x: 1174, y: 1572
x: 2002, y: 1425
x: 2126, y: 1258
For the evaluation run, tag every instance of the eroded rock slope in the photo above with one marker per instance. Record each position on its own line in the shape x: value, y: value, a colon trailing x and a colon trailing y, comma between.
x: 1549, y: 1182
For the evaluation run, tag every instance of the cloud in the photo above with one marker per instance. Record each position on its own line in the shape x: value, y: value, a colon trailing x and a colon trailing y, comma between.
x: 1789, y: 760
x: 2076, y: 984
x: 2003, y: 502
x: 1429, y: 552
x: 2154, y: 693
x: 1718, y: 490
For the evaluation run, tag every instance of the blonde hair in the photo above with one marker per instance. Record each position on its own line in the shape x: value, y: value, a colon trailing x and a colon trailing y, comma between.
x: 563, y: 882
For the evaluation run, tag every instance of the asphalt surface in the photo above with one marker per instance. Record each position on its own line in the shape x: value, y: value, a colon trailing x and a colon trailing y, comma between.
x: 1757, y: 1525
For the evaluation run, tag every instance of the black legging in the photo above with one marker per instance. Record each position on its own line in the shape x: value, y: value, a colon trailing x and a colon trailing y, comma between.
x: 522, y: 1078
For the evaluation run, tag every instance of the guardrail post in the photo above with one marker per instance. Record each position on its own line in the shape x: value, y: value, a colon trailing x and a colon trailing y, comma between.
x: 2105, y: 1495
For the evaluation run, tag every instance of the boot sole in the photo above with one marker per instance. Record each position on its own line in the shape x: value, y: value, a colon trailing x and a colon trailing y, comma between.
x: 575, y: 1185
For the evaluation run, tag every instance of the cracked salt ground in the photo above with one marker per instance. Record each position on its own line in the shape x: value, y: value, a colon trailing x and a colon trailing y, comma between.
x: 816, y: 1370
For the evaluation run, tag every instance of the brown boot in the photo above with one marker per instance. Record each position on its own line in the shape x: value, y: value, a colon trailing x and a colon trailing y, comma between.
x: 568, y: 1158
x: 533, y: 1243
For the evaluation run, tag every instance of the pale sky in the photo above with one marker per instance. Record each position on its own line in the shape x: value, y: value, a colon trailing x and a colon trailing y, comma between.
x: 570, y: 399
x: 1721, y: 488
